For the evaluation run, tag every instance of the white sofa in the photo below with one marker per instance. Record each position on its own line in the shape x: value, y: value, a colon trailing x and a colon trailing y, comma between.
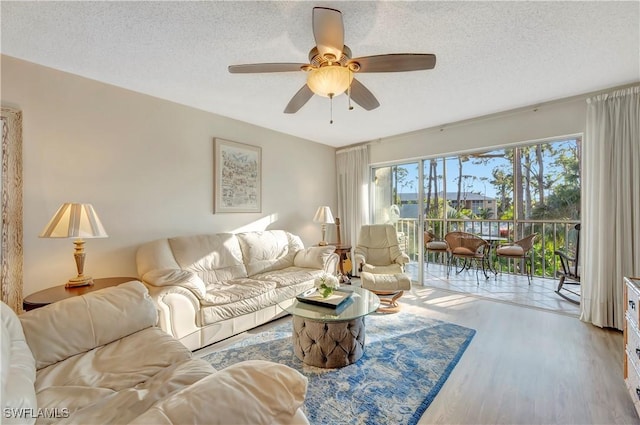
x: 210, y: 287
x: 99, y: 359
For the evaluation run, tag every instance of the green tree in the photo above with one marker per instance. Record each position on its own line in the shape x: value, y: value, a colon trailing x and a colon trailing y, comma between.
x: 484, y: 213
x: 563, y: 181
x: 503, y: 183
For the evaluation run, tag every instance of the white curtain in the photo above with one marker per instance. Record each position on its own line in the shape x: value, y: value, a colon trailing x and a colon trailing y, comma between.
x: 352, y: 166
x: 610, y: 204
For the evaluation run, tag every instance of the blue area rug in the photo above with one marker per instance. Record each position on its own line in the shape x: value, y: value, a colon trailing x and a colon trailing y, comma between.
x: 406, y: 361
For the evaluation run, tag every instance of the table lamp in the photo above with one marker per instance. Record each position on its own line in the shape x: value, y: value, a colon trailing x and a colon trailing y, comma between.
x: 78, y: 221
x: 324, y: 217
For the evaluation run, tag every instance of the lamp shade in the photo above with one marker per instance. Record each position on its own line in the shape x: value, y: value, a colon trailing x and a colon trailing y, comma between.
x: 329, y: 81
x: 74, y: 221
x: 323, y: 215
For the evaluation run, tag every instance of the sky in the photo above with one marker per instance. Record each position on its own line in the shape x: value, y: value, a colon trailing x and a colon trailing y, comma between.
x: 469, y: 169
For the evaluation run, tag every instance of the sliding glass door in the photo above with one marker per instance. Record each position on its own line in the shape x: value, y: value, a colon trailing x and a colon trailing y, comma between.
x: 501, y: 195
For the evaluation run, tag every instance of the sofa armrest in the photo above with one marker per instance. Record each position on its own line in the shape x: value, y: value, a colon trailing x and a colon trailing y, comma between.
x: 178, y: 309
x: 331, y: 264
x: 249, y: 392
x: 176, y: 277
x: 17, y: 389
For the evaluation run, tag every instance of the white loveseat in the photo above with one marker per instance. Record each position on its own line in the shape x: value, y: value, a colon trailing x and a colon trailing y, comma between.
x: 210, y: 287
x: 100, y: 359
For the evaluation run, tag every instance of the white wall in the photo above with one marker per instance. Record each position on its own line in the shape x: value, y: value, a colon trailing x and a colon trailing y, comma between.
x: 146, y: 165
x: 553, y: 119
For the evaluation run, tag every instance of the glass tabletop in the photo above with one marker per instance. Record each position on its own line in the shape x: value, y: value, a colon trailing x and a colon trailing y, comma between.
x: 361, y: 303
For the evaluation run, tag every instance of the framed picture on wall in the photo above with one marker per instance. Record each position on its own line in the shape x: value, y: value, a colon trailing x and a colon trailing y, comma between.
x: 237, y: 177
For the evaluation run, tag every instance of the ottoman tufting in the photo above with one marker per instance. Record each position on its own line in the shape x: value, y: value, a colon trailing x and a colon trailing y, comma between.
x: 329, y: 344
x: 330, y: 337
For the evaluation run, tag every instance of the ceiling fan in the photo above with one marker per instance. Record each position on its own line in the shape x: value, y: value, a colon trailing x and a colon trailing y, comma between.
x: 330, y: 71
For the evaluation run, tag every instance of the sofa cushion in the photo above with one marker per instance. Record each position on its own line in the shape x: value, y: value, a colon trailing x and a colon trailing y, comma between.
x: 289, y: 276
x: 249, y: 392
x: 123, y: 363
x: 216, y: 257
x: 18, y: 371
x: 269, y: 250
x: 235, y: 290
x: 213, y: 258
x: 120, y: 380
x: 120, y: 407
x: 314, y: 257
x: 210, y: 314
x: 97, y: 318
x: 155, y: 255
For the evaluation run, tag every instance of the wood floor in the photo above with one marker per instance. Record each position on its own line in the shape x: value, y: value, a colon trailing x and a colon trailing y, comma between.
x: 524, y: 365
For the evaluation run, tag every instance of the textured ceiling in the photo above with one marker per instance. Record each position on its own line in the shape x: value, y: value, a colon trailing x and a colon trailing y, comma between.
x: 491, y: 56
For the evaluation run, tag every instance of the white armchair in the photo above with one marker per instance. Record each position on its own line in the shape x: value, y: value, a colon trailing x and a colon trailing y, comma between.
x: 381, y: 264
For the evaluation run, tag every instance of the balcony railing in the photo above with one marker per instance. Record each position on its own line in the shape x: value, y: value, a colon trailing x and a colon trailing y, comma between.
x: 552, y: 235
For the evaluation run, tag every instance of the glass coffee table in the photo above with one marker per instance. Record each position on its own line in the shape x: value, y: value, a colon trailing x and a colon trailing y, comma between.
x: 331, y: 337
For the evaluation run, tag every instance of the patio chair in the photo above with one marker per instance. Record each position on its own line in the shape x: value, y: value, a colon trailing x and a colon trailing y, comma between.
x: 470, y: 248
x: 433, y: 244
x: 570, y: 270
x: 519, y: 250
x: 381, y: 264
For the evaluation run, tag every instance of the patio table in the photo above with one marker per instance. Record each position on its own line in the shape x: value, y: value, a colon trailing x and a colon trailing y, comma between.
x: 493, y: 241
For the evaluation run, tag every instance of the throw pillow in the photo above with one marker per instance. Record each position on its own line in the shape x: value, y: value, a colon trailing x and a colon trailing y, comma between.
x: 313, y: 257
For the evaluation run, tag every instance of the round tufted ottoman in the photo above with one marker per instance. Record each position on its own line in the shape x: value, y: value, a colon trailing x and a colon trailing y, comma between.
x: 328, y: 344
x: 331, y: 337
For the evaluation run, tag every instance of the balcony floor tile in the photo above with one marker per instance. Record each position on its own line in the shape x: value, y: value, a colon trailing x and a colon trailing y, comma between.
x: 505, y: 287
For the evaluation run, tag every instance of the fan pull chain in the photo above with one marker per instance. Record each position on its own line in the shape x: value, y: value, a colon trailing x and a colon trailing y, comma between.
x: 331, y: 107
x: 349, y: 94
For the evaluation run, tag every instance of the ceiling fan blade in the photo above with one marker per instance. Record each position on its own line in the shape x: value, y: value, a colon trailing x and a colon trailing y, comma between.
x: 396, y: 62
x: 265, y: 67
x: 362, y: 96
x: 299, y: 100
x: 328, y: 31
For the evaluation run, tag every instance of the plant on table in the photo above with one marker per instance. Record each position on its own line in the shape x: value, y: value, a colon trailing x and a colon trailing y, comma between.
x: 326, y: 284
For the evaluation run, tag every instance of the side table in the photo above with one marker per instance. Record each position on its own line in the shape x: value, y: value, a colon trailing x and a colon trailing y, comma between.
x: 59, y: 293
x: 343, y: 251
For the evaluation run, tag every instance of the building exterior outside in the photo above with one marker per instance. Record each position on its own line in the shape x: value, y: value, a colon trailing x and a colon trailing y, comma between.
x: 478, y: 204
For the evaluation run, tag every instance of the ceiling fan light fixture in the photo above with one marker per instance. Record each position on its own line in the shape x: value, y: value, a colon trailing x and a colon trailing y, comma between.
x: 329, y: 81
x: 330, y: 69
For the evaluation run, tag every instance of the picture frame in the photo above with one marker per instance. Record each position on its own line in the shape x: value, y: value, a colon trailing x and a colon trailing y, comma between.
x: 11, y: 209
x: 237, y: 177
